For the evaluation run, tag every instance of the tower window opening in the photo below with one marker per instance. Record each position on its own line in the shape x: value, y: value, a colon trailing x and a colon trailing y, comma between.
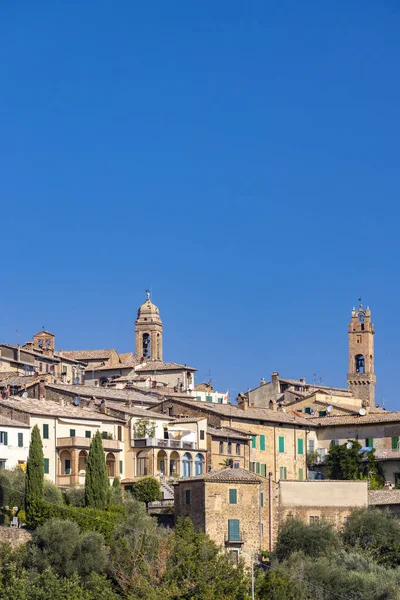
x: 361, y: 317
x: 359, y: 363
x: 146, y: 345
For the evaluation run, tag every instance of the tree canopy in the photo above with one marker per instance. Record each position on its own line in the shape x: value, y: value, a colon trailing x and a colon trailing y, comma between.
x: 97, y: 485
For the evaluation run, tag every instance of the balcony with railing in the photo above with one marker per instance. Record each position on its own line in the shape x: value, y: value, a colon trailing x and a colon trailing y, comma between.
x: 163, y: 443
x: 84, y: 443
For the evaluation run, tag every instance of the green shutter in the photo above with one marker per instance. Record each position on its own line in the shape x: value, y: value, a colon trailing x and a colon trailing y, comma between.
x: 72, y: 433
x: 258, y: 468
x: 282, y: 473
x: 322, y: 413
x: 198, y: 397
x: 281, y: 444
x: 187, y: 496
x: 234, y: 530
x: 262, y: 499
x: 208, y: 398
x: 307, y: 410
x: 254, y: 441
x: 5, y: 438
x: 263, y: 470
x: 121, y: 467
x: 46, y: 466
x: 301, y: 476
x: 395, y: 442
x: 300, y: 446
x: 262, y: 442
x: 20, y: 440
x: 252, y: 464
x: 219, y: 400
x: 232, y: 496
x: 285, y: 472
x: 88, y: 434
x: 369, y: 442
x: 45, y: 431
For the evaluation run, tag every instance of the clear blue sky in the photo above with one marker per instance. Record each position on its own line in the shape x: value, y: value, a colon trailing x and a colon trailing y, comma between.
x: 241, y: 159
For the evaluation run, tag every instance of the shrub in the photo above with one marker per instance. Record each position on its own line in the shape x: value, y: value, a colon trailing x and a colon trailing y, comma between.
x: 88, y: 519
x: 12, y: 488
x: 75, y: 495
x: 97, y: 485
x: 52, y: 493
x: 313, y: 540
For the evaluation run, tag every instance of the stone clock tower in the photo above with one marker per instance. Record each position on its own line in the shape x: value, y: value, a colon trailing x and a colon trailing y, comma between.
x: 361, y: 377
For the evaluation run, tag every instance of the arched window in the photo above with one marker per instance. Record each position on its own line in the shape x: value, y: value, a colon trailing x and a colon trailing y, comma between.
x: 110, y: 464
x: 359, y: 363
x: 229, y: 447
x: 237, y: 449
x: 186, y: 465
x: 141, y: 464
x: 361, y: 317
x: 198, y: 464
x: 221, y: 447
x: 146, y: 350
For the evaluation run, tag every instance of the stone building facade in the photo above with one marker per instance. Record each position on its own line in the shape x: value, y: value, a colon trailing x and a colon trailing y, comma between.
x: 228, y: 505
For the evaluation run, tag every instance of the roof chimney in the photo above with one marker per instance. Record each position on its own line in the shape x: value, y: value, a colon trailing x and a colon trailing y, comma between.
x: 262, y: 382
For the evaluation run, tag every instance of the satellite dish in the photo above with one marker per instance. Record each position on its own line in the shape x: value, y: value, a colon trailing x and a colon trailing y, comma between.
x: 25, y: 395
x: 77, y: 401
x: 329, y: 409
x: 349, y: 445
x: 312, y: 412
x: 362, y: 412
x: 76, y: 380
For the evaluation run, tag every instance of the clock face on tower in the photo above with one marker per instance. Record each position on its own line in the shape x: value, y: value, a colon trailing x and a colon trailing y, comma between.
x: 361, y: 317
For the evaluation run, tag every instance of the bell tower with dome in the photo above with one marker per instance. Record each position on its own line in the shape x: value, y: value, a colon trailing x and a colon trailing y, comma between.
x: 148, y: 331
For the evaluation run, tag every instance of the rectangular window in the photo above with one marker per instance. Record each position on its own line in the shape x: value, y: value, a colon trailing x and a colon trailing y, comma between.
x: 369, y: 442
x: 45, y: 431
x: 395, y: 442
x: 72, y: 433
x: 238, y: 449
x: 202, y: 434
x: 67, y: 467
x: 282, y: 473
x: 46, y: 466
x: 119, y: 433
x: 234, y: 530
x: 4, y: 438
x: 2, y: 464
x: 311, y: 445
x: 219, y: 400
x: 262, y: 499
x: 121, y: 467
x: 263, y: 470
x: 208, y: 398
x: 301, y: 475
x: 300, y: 446
x: 40, y: 367
x: 234, y: 556
x: 88, y: 434
x: 334, y: 442
x: 252, y: 467
x: 322, y: 413
x: 254, y: 441
x: 187, y: 496
x: 314, y: 519
x: 307, y: 410
x: 198, y: 397
x: 236, y: 465
x: 232, y: 496
x: 262, y: 442
x: 221, y: 447
x: 258, y: 468
x: 281, y: 444
x: 20, y: 440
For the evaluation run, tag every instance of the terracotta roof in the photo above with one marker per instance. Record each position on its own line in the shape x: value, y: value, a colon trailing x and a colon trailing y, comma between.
x: 54, y: 409
x: 90, y: 391
x: 7, y: 422
x: 373, y: 417
x: 15, y: 380
x: 227, y: 433
x: 137, y: 411
x: 229, y: 475
x: 186, y: 420
x: 128, y: 357
x: 251, y: 414
x: 89, y: 354
x: 62, y: 357
x: 159, y: 365
x: 385, y: 496
x: 110, y: 366
x: 36, y: 353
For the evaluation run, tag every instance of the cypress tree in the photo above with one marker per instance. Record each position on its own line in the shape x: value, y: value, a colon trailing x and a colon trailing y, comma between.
x: 34, y: 470
x: 97, y: 485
